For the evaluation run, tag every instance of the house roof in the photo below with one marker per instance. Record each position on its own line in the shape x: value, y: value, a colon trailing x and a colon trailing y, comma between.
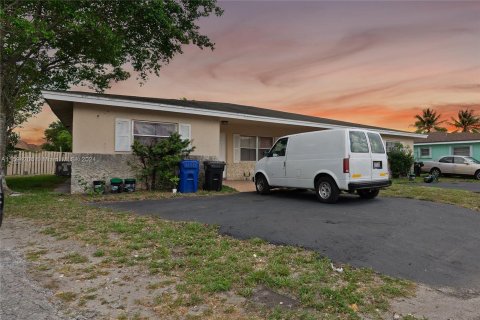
x: 22, y: 145
x: 218, y: 109
x: 444, y: 137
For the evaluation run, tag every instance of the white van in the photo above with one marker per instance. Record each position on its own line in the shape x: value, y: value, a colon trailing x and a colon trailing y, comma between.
x: 329, y: 162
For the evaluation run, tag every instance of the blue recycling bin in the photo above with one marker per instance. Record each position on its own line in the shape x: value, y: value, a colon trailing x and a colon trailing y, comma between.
x: 189, y: 170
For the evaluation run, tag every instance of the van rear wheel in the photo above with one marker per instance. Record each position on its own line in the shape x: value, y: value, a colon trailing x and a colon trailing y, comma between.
x: 368, y: 193
x: 326, y: 190
x: 261, y: 184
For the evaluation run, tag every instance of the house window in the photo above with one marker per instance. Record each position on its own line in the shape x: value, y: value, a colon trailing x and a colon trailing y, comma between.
x: 252, y: 148
x: 264, y: 145
x: 391, y: 144
x: 149, y: 133
x: 461, y: 151
x: 425, y: 152
x: 248, y: 148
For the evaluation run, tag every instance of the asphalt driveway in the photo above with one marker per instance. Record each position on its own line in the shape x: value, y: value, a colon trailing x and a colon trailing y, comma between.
x: 427, y: 242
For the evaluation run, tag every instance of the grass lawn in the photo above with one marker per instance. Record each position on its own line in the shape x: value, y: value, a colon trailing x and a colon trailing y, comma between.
x: 416, y: 190
x: 201, y: 264
x: 34, y: 183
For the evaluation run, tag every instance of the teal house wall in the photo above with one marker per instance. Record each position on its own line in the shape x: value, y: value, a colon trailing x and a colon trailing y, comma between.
x: 438, y: 150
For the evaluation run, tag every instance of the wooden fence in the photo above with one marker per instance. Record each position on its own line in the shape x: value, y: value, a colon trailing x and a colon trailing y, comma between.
x: 35, y: 163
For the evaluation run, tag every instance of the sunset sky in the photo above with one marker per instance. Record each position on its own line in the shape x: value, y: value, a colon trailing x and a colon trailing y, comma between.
x: 375, y: 63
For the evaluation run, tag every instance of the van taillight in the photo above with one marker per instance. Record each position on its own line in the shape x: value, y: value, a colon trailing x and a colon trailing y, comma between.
x: 346, y: 165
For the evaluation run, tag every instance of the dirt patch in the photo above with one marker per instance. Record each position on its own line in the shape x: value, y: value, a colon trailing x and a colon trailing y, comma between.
x: 77, y: 280
x: 272, y: 299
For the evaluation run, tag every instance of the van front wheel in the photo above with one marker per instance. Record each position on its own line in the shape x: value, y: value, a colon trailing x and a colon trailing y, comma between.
x: 326, y: 190
x: 261, y: 184
x: 368, y: 193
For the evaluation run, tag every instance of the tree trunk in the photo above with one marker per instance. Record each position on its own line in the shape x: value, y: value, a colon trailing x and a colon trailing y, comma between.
x: 3, y: 122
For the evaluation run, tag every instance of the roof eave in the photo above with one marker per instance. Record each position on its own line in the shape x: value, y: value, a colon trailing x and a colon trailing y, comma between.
x: 80, y: 98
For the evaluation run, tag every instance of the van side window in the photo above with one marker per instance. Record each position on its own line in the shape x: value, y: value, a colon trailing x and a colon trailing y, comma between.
x: 279, y: 148
x: 358, y: 142
x: 376, y: 143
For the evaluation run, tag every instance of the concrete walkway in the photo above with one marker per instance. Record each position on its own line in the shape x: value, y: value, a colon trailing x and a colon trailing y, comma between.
x: 240, y: 186
x: 20, y: 296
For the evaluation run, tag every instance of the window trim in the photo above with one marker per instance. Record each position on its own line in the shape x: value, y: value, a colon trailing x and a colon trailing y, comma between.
x: 420, y: 152
x: 257, y: 140
x: 390, y: 141
x: 149, y: 135
x: 452, y: 150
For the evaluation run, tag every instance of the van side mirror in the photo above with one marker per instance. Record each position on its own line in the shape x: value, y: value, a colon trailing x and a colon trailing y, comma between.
x: 266, y: 153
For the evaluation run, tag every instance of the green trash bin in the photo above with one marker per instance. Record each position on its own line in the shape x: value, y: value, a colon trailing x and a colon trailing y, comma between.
x: 99, y: 186
x: 116, y: 185
x: 129, y: 185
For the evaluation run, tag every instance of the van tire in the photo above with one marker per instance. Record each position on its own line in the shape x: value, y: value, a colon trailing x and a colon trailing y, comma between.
x: 261, y: 184
x: 368, y: 193
x: 326, y: 190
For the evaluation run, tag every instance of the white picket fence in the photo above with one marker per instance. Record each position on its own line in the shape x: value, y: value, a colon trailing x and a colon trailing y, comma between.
x: 35, y: 162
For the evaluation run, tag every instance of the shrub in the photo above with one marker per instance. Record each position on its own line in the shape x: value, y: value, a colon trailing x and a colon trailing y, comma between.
x: 158, y: 162
x: 400, y: 159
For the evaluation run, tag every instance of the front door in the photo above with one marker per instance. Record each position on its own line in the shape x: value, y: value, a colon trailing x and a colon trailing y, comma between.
x: 275, y: 163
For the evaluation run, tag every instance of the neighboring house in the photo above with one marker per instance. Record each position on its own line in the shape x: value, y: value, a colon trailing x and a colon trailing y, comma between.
x: 104, y: 126
x: 439, y: 144
x: 22, y: 145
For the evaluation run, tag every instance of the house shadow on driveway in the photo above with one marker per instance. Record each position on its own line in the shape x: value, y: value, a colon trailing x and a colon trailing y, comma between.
x: 427, y: 242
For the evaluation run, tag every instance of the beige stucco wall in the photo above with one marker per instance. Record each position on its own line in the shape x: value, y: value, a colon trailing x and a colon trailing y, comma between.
x: 244, y: 170
x: 94, y: 132
x: 406, y: 141
x: 94, y: 128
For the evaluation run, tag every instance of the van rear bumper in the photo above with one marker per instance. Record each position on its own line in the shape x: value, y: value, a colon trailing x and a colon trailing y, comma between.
x: 352, y: 186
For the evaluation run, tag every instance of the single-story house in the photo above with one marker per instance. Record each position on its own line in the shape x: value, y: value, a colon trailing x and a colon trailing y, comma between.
x: 104, y: 127
x: 439, y: 144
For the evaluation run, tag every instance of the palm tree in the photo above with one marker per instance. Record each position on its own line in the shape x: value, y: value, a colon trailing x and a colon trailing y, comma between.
x: 466, y: 122
x: 428, y: 121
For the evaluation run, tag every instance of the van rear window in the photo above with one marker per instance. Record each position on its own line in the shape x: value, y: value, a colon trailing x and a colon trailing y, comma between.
x: 358, y: 142
x: 376, y: 143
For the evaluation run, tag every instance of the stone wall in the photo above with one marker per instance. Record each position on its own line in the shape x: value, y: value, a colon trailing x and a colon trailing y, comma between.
x: 240, y: 171
x: 87, y: 167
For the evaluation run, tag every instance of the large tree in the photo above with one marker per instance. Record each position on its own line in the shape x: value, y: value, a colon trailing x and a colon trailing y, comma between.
x: 428, y: 121
x: 57, y: 44
x: 58, y: 138
x: 466, y: 121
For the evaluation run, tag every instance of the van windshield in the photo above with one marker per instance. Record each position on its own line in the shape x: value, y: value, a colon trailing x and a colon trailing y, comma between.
x: 358, y: 142
x: 376, y: 143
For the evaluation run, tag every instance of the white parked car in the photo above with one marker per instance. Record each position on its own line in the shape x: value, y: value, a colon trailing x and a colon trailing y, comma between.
x: 456, y: 165
x: 328, y: 161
